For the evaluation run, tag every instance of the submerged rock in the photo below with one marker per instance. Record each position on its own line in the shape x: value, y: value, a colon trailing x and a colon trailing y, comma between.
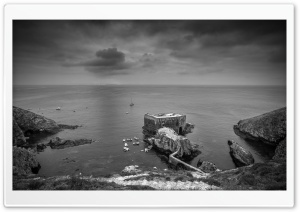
x: 168, y: 141
x: 24, y: 162
x: 59, y: 143
x: 207, y: 166
x: 269, y: 128
x: 30, y: 122
x: 240, y: 156
x: 18, y: 135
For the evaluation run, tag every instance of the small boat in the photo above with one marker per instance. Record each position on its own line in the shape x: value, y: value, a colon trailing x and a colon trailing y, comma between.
x: 131, y: 104
x: 58, y: 108
x: 125, y: 144
x: 124, y: 140
x: 126, y: 112
x: 135, y: 138
x: 125, y: 149
x: 133, y: 143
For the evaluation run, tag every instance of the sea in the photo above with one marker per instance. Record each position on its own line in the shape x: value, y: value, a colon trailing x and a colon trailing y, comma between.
x: 106, y: 116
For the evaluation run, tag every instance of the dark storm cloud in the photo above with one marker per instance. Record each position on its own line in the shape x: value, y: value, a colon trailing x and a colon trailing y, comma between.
x: 117, y: 47
x: 222, y: 37
x: 107, y: 61
x: 109, y: 58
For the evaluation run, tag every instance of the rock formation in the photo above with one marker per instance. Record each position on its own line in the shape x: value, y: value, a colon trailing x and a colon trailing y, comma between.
x: 30, y: 122
x: 269, y: 128
x: 70, y: 127
x: 40, y: 147
x: 59, y: 143
x: 188, y: 128
x: 206, y: 166
x: 26, y: 123
x: 240, y: 156
x: 18, y: 135
x: 280, y: 151
x: 168, y: 141
x: 24, y: 162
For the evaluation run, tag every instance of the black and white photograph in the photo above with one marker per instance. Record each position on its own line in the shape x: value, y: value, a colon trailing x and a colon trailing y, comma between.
x: 149, y: 105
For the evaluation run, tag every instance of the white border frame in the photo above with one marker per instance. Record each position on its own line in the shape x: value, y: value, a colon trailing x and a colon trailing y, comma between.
x: 147, y: 198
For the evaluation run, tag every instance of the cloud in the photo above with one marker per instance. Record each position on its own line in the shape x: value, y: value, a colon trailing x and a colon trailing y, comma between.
x: 107, y: 62
x: 111, y: 54
x: 150, y: 60
x: 143, y: 47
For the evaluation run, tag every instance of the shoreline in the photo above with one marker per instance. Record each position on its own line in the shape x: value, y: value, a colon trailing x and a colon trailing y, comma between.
x: 257, y: 176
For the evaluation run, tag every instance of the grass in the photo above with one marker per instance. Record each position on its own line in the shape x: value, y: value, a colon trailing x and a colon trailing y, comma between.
x: 260, y: 176
x: 210, y: 182
x: 73, y: 183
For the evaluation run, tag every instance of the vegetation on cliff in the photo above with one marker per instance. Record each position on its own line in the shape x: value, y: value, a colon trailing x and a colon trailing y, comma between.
x: 24, y: 162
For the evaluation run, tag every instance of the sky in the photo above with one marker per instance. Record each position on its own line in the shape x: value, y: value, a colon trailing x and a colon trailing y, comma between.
x: 149, y: 52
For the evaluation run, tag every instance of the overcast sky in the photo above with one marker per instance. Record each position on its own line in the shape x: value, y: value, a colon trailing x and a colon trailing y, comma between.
x: 149, y: 52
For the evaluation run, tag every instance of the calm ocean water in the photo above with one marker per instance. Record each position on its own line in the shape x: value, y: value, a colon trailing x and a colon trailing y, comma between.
x: 102, y: 112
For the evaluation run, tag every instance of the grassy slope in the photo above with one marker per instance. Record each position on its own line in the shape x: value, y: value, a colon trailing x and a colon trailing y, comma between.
x: 259, y: 176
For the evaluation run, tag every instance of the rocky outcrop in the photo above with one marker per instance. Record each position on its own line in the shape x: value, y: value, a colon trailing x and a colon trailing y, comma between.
x: 188, y: 128
x: 59, y: 143
x: 40, y: 147
x: 280, y: 151
x: 206, y: 166
x: 24, y: 162
x: 70, y: 127
x: 31, y: 123
x: 269, y: 128
x: 26, y: 123
x: 259, y: 176
x: 18, y: 135
x: 240, y: 156
x: 168, y: 141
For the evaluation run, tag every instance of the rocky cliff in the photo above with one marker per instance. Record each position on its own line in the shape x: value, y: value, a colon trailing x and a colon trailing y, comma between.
x: 18, y: 135
x: 269, y: 128
x: 26, y: 123
x: 280, y: 151
x: 24, y: 162
x: 30, y: 122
